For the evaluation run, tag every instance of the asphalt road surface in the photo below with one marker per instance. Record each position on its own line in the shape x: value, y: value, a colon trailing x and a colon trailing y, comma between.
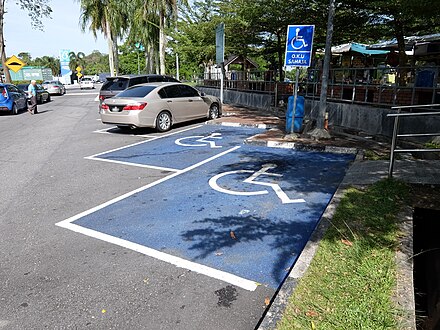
x: 98, y: 235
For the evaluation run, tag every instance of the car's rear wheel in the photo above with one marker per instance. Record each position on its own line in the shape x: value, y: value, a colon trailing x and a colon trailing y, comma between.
x: 14, y: 109
x: 213, y: 111
x: 163, y: 121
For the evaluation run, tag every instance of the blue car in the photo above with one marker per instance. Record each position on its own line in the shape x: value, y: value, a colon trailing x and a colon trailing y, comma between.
x: 12, y: 99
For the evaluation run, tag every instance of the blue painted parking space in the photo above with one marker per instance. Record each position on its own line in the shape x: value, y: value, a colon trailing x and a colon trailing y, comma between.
x: 184, y: 149
x: 248, y: 213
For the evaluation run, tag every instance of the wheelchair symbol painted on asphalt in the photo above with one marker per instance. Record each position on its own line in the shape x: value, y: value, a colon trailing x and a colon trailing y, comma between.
x: 203, y: 141
x: 251, y: 180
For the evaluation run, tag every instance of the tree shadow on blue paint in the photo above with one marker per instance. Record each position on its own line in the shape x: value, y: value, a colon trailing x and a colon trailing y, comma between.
x: 284, y: 240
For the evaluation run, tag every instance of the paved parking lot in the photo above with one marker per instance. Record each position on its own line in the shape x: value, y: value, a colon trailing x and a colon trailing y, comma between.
x: 238, y: 213
x: 191, y: 229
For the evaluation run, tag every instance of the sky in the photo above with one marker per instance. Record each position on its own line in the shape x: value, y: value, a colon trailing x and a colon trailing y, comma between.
x: 60, y: 32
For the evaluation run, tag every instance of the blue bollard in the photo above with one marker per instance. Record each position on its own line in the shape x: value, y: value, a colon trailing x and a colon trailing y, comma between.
x: 299, y: 114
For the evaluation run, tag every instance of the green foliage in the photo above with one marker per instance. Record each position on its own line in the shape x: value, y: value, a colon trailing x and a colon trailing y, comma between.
x: 37, y: 9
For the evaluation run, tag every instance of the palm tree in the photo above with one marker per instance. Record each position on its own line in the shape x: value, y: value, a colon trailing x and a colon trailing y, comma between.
x: 76, y: 60
x: 166, y: 11
x: 144, y: 29
x: 109, y: 17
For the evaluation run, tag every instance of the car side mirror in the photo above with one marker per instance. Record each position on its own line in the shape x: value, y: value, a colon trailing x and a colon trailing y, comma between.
x: 202, y: 94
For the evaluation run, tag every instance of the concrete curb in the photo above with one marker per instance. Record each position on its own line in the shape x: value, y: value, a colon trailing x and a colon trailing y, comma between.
x: 235, y: 124
x: 301, y: 146
x: 285, y: 145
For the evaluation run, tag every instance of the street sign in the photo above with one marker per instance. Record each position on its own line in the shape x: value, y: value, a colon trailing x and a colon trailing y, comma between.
x: 64, y: 63
x: 299, y: 45
x: 14, y: 63
x: 220, y: 43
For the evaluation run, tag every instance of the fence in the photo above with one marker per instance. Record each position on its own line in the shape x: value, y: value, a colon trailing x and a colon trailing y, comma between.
x: 382, y: 86
x: 396, y: 134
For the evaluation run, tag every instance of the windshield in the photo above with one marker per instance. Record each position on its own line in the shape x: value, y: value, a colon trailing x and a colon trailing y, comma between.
x: 118, y: 84
x: 136, y: 91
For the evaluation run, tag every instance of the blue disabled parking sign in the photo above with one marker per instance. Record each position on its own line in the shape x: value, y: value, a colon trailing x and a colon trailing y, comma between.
x: 299, y: 45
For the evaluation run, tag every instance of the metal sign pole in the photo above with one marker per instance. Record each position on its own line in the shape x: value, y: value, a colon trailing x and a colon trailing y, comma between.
x: 295, y: 98
x: 221, y: 83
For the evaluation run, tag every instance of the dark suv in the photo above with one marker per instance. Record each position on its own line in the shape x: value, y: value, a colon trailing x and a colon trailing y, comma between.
x: 114, y: 85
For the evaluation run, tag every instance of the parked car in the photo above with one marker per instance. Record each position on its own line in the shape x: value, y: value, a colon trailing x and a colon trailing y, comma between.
x: 12, y: 99
x: 54, y: 87
x: 158, y: 105
x: 86, y: 83
x: 42, y: 94
x: 115, y: 85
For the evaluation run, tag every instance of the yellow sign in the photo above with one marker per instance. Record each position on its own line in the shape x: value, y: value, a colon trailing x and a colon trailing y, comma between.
x: 79, y: 74
x: 14, y: 63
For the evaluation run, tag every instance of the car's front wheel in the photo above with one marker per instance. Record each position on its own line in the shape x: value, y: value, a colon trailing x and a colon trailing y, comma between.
x: 163, y: 121
x: 213, y: 111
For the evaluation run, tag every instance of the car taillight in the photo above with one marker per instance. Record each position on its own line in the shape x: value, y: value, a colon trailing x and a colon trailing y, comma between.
x: 136, y: 106
x: 104, y: 106
x: 102, y: 97
x: 4, y: 93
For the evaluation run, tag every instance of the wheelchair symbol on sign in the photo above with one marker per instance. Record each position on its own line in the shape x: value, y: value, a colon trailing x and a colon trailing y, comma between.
x: 298, y: 38
x: 251, y: 179
x: 203, y: 141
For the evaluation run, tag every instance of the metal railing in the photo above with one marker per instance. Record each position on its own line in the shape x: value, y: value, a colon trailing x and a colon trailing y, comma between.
x: 396, y: 134
x: 382, y: 85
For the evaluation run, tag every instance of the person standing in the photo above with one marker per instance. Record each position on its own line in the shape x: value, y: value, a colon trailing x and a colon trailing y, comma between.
x: 32, y: 92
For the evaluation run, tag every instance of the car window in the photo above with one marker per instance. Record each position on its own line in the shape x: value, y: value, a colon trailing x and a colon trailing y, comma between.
x: 135, y: 81
x: 162, y: 93
x: 13, y: 89
x: 155, y: 78
x: 117, y: 84
x: 187, y: 91
x: 136, y: 91
x: 143, y: 79
x: 172, y: 91
x: 171, y: 79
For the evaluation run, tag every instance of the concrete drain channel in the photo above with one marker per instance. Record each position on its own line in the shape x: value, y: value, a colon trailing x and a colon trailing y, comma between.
x: 426, y: 224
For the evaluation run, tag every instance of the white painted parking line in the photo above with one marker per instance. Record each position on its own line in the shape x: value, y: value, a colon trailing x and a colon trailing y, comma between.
x: 179, y: 262
x: 153, y: 138
x: 107, y: 131
x: 161, y: 168
x: 82, y: 94
x: 176, y: 261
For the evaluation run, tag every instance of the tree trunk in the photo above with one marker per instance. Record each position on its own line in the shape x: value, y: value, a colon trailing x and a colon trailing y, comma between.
x: 280, y: 49
x: 115, y: 56
x: 162, y: 42
x: 111, y: 59
x: 2, y: 43
x: 400, y: 36
x: 326, y: 67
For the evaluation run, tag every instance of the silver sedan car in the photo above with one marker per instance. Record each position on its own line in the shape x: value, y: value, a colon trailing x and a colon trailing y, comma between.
x: 54, y: 87
x: 158, y: 105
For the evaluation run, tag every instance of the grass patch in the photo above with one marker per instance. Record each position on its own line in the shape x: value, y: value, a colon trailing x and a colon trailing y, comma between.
x: 351, y: 280
x: 374, y: 155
